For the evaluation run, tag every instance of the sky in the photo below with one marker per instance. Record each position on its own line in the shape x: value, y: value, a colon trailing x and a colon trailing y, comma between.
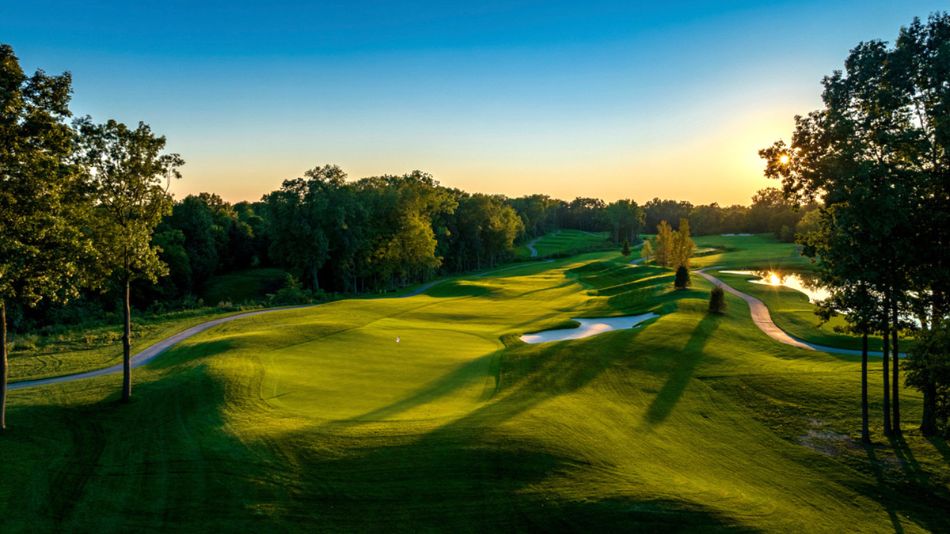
x: 594, y: 98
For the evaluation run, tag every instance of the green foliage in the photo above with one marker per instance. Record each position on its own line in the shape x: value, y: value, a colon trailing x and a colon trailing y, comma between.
x: 647, y: 252
x: 129, y: 173
x: 674, y: 248
x: 928, y: 370
x: 44, y: 207
x: 717, y: 300
x: 292, y: 294
x: 682, y: 280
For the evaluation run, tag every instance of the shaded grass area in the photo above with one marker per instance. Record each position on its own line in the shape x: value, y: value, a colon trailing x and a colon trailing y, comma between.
x: 249, y: 285
x: 316, y: 419
x: 567, y: 242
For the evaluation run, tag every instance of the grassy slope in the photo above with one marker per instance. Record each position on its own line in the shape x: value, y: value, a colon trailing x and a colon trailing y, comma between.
x: 566, y: 242
x: 249, y: 285
x: 317, y: 418
x: 85, y: 349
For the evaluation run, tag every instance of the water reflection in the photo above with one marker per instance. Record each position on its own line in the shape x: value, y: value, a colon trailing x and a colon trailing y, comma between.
x: 815, y: 293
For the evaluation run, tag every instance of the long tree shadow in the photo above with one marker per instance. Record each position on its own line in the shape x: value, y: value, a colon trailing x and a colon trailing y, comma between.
x: 682, y: 372
x: 879, y: 476
x: 465, y: 474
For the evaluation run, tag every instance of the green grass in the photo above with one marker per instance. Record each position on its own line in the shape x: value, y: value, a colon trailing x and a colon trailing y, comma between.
x: 790, y: 309
x: 316, y: 419
x: 85, y: 348
x: 563, y: 242
x: 746, y: 252
x: 249, y: 285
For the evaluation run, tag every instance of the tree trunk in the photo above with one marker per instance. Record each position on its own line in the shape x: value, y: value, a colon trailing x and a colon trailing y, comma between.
x: 896, y: 382
x: 865, y: 430
x: 886, y: 358
x: 127, y: 345
x: 3, y: 365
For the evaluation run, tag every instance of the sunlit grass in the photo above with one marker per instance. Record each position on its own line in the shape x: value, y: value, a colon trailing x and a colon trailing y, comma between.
x: 317, y: 419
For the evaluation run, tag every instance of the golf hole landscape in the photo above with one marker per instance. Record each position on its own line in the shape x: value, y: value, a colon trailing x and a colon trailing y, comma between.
x: 199, y: 334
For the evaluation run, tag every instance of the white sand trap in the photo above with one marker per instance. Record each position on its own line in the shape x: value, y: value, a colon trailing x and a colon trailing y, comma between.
x: 588, y: 327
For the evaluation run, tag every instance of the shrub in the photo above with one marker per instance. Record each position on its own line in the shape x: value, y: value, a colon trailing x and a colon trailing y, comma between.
x: 626, y: 248
x: 717, y: 300
x: 682, y: 278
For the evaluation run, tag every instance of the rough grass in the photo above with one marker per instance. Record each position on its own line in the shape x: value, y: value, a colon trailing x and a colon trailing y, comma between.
x: 249, y: 285
x: 316, y: 419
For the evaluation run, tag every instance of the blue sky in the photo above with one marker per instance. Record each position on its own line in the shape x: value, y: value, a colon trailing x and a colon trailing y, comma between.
x: 608, y: 99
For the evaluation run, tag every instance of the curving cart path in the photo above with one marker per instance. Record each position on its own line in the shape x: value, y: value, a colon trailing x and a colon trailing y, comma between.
x: 762, y: 319
x: 146, y: 355
x: 155, y: 350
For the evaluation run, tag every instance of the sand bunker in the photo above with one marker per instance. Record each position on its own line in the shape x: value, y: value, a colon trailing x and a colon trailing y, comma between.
x: 588, y: 327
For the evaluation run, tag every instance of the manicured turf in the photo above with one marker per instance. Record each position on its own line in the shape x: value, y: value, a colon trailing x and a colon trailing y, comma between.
x: 567, y: 242
x: 317, y: 419
x: 755, y: 251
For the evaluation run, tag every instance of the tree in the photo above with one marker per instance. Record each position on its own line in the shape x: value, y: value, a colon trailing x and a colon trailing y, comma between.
x: 663, y: 251
x: 875, y: 156
x: 717, y: 300
x: 682, y: 245
x: 129, y: 172
x: 646, y: 252
x: 626, y: 219
x: 928, y: 370
x: 682, y: 278
x: 625, y: 249
x: 44, y: 247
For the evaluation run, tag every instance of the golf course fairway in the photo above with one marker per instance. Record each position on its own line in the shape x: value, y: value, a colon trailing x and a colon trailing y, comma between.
x: 428, y: 413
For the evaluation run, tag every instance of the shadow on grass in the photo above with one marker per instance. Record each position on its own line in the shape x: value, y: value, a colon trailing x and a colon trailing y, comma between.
x: 941, y: 445
x: 190, y: 352
x: 682, y: 372
x: 468, y: 474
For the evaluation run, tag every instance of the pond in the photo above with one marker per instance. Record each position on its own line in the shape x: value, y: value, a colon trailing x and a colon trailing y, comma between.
x: 588, y: 327
x: 814, y: 292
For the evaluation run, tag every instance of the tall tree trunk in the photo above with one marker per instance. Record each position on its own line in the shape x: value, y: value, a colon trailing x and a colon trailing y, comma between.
x: 896, y: 382
x: 127, y: 344
x: 886, y: 358
x: 3, y: 365
x: 865, y: 430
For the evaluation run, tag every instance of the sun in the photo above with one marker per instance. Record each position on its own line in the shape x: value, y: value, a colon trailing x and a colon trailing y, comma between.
x: 774, y: 279
x: 783, y: 159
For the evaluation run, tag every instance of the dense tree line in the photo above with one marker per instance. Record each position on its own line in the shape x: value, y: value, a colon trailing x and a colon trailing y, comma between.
x: 876, y: 158
x: 770, y: 212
